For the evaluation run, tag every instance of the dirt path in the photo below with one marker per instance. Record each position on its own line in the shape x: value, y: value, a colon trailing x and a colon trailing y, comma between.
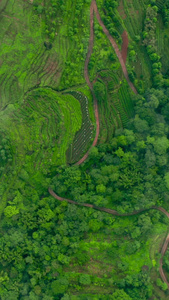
x: 116, y: 213
x: 114, y: 45
x: 93, y: 8
x: 124, y: 45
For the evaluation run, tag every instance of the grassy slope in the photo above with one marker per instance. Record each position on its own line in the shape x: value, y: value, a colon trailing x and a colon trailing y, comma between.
x: 25, y: 64
x: 40, y: 131
x: 107, y: 248
x: 116, y: 107
x: 41, y: 127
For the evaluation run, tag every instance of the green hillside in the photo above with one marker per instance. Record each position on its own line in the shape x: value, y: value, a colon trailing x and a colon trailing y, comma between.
x: 88, y: 119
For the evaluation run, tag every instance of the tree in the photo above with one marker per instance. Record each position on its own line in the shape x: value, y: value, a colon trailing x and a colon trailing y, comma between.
x: 84, y: 279
x: 166, y: 178
x: 94, y: 153
x: 11, y: 210
x: 150, y: 158
x: 161, y: 284
x: 161, y: 145
x: 95, y: 225
x: 140, y: 125
x: 71, y: 176
x: 59, y: 286
x: 145, y: 223
x: 101, y: 189
x: 120, y: 295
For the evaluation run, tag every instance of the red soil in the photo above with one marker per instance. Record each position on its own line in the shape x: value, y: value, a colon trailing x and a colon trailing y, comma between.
x: 93, y: 8
x: 124, y: 45
x: 114, y: 212
x: 121, y: 10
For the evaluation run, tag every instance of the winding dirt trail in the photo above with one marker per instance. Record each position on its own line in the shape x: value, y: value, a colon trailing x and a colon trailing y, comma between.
x: 116, y: 213
x: 124, y: 47
x: 93, y: 8
x: 114, y: 45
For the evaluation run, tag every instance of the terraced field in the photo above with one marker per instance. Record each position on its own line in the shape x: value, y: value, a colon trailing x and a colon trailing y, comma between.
x: 84, y: 136
x: 25, y: 63
x: 49, y: 121
x: 40, y: 131
x: 115, y: 107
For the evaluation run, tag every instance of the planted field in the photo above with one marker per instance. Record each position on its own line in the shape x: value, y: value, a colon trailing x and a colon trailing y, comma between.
x: 162, y: 38
x: 40, y: 131
x: 125, y: 98
x: 24, y: 61
x: 57, y: 118
x: 106, y: 257
x: 84, y: 136
x: 115, y: 105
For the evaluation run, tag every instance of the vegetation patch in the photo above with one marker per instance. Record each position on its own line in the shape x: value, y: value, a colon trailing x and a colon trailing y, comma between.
x: 84, y: 136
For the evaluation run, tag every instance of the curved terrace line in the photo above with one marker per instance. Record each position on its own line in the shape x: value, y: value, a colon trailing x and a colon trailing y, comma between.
x: 93, y: 8
x: 116, y: 213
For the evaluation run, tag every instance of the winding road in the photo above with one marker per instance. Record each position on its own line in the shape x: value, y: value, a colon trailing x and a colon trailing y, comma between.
x: 94, y: 9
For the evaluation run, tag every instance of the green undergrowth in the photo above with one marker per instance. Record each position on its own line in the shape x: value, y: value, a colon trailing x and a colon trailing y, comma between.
x: 111, y: 89
x: 115, y: 103
x: 85, y: 135
x: 162, y: 37
x: 86, y: 91
x: 41, y: 130
x: 108, y: 256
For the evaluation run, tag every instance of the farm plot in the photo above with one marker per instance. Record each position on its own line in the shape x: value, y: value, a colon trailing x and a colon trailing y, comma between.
x: 44, y: 126
x: 134, y: 11
x: 84, y: 135
x: 115, y: 106
x: 120, y: 97
x: 125, y: 98
x: 24, y: 61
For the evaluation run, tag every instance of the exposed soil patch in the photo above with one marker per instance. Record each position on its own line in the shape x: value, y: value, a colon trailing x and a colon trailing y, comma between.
x: 93, y: 8
x: 121, y: 10
x: 10, y: 17
x: 124, y: 45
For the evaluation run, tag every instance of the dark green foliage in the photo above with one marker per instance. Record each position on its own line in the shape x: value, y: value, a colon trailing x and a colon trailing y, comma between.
x: 53, y: 250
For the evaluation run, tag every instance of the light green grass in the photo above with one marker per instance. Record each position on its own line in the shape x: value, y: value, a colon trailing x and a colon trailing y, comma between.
x: 41, y: 130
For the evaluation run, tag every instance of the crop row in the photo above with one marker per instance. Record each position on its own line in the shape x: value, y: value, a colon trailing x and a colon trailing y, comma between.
x: 84, y: 135
x: 125, y: 99
x: 160, y: 3
x: 123, y: 115
x: 46, y: 124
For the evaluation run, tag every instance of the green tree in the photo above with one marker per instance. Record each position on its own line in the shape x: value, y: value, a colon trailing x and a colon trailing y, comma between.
x: 161, y: 145
x: 120, y: 295
x: 95, y: 225
x: 84, y: 279
x: 59, y: 286
x: 101, y: 189
x: 166, y: 178
x: 10, y: 211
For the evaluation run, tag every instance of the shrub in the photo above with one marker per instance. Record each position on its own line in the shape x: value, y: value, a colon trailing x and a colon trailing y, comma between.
x: 84, y: 279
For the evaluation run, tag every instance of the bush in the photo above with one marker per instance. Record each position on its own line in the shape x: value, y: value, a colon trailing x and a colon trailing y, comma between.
x: 84, y: 279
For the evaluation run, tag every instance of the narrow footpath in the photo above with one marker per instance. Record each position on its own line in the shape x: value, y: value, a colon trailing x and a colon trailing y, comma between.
x: 94, y: 9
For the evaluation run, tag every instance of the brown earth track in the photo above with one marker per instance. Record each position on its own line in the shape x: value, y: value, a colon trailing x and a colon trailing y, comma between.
x: 124, y: 45
x: 116, y: 213
x: 93, y: 8
x: 114, y: 45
